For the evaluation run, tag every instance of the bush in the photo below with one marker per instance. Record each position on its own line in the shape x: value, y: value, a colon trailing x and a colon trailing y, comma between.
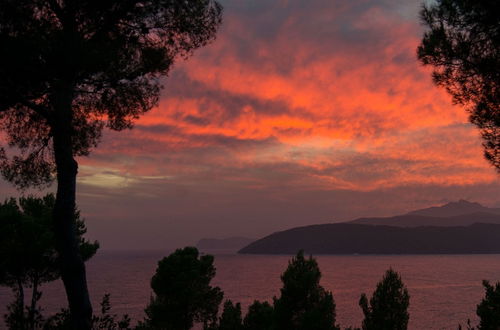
x: 259, y: 317
x: 231, y: 317
x: 62, y: 320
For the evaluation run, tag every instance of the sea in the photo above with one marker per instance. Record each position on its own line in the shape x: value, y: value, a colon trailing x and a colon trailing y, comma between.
x: 444, y: 289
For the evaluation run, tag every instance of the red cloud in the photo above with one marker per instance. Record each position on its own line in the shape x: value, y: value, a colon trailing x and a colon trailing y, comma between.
x: 331, y: 92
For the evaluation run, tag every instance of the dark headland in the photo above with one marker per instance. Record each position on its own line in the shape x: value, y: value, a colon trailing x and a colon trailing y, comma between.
x: 455, y: 228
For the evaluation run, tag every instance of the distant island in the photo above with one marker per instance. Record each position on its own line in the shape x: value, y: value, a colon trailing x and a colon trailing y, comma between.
x: 455, y: 228
x: 223, y: 245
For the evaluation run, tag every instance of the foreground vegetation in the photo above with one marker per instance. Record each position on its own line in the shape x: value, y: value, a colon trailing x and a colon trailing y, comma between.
x: 182, y: 292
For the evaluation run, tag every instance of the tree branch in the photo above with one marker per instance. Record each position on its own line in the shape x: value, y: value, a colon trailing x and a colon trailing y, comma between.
x: 39, y: 109
x: 56, y: 8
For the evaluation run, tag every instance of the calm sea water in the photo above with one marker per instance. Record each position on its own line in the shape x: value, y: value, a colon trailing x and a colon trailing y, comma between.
x: 444, y: 289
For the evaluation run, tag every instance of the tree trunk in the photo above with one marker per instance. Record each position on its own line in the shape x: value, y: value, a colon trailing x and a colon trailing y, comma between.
x: 35, y: 295
x: 20, y: 297
x: 71, y: 263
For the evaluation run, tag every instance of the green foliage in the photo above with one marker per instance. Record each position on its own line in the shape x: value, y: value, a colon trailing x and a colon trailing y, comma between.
x: 28, y: 256
x: 462, y: 43
x: 304, y: 304
x: 489, y: 308
x: 106, y: 320
x: 231, y: 317
x: 259, y: 317
x: 27, y: 244
x: 388, y: 308
x: 182, y: 292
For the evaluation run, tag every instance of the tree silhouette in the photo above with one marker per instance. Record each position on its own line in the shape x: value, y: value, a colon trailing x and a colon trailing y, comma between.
x: 304, y: 304
x: 106, y: 320
x: 28, y: 256
x: 388, y: 308
x: 231, y: 317
x: 183, y: 294
x: 259, y: 317
x: 68, y: 68
x: 463, y: 46
x: 489, y: 308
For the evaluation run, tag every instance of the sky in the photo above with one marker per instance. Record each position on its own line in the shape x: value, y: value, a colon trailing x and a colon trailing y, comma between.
x: 300, y: 112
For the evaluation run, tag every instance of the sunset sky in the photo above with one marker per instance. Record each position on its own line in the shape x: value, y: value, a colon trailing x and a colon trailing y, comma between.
x: 300, y: 112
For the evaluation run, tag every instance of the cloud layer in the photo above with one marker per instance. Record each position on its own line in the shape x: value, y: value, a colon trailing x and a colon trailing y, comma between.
x: 299, y: 112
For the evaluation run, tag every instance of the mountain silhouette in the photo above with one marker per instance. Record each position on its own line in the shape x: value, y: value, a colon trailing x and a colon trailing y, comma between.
x: 461, y: 213
x: 462, y: 207
x: 410, y: 220
x: 457, y: 228
x: 346, y: 238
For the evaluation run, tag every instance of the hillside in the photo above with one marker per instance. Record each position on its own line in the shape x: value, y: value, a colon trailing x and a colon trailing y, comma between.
x: 413, y: 220
x: 345, y: 238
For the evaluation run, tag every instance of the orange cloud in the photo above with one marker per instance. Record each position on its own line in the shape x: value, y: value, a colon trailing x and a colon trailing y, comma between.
x: 331, y: 93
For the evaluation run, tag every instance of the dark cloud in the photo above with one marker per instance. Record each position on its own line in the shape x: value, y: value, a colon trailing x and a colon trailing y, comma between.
x: 218, y: 106
x: 307, y: 31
